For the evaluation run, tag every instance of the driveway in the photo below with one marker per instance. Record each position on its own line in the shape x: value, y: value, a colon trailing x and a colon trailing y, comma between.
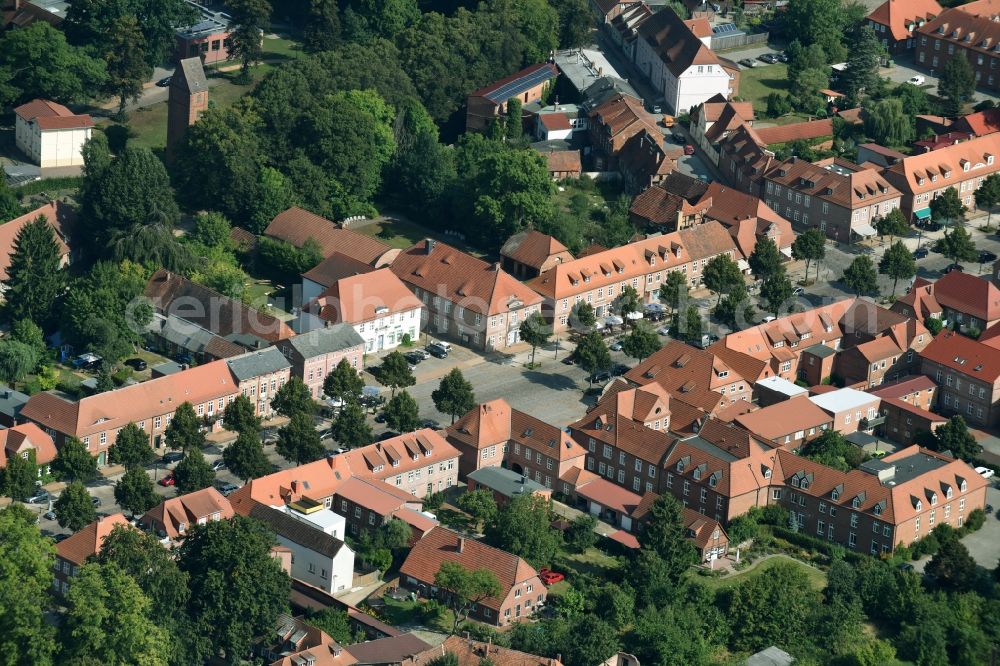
x: 905, y: 67
x: 984, y: 545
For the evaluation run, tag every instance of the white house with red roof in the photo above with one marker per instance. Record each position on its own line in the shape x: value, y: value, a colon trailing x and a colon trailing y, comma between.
x: 50, y: 134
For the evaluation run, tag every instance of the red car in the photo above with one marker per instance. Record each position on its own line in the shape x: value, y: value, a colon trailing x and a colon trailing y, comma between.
x: 689, y: 149
x: 550, y: 577
x: 168, y: 480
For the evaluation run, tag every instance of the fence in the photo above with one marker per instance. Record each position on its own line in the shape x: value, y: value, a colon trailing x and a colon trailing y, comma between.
x: 723, y: 42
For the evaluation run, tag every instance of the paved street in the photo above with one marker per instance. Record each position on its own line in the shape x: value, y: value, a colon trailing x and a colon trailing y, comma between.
x: 984, y: 545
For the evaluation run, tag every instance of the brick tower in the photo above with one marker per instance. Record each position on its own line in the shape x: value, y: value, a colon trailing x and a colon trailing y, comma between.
x: 188, y: 99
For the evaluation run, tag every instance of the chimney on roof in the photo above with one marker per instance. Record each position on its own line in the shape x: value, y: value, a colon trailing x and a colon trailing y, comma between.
x: 461, y: 544
x: 429, y: 244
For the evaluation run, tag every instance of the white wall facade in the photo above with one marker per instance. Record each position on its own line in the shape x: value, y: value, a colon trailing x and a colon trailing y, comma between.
x: 387, y: 331
x: 330, y: 574
x: 696, y: 87
x: 51, y: 148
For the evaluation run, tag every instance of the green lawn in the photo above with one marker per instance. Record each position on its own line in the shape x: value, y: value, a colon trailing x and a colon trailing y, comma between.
x: 816, y: 577
x: 402, y: 233
x: 409, y: 613
x: 757, y: 83
x: 591, y: 561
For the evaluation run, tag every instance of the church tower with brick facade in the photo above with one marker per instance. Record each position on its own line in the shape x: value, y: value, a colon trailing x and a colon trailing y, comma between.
x: 187, y: 100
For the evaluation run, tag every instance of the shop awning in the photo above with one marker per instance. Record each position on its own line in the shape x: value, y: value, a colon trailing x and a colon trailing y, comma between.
x: 922, y: 214
x: 864, y: 230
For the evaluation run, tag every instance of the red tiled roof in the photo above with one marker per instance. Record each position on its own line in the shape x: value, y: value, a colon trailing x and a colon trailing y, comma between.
x: 609, y: 495
x: 52, y: 116
x: 904, y: 387
x: 470, y: 652
x: 60, y: 217
x: 964, y: 355
x: 496, y: 423
x: 296, y: 226
x: 626, y: 539
x: 555, y: 121
x: 969, y: 294
x: 700, y: 27
x: 980, y: 123
x: 443, y: 545
x: 361, y: 298
x: 559, y: 161
x: 935, y: 170
x: 176, y: 515
x: 900, y: 15
x: 811, y: 129
x: 533, y: 248
x: 89, y: 540
x: 26, y: 437
x: 784, y: 418
x: 336, y: 267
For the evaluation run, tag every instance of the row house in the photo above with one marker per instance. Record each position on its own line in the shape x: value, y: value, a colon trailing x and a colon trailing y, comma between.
x: 838, y: 197
x: 367, y: 504
x: 626, y: 436
x: 172, y: 518
x: 466, y: 298
x: 316, y: 353
x: 77, y: 549
x: 906, y: 409
x: 528, y: 254
x: 967, y: 373
x: 494, y: 434
x: 962, y: 166
x: 521, y: 590
x: 599, y: 278
x: 624, y: 28
x: 259, y: 376
x: 420, y: 462
x: 679, y: 65
x: 789, y: 424
x: 744, y: 158
x: 919, y: 301
x: 888, y: 357
x: 894, y: 22
x: 377, y: 304
x: 96, y: 420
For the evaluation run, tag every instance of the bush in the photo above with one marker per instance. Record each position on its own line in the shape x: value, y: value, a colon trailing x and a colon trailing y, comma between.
x: 927, y: 546
x: 434, y: 501
x: 975, y: 521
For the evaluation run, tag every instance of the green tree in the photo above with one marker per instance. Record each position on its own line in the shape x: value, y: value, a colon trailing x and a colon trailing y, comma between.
x: 674, y: 290
x: 953, y: 567
x: 367, y: 19
x: 245, y: 457
x: 322, y: 30
x: 37, y: 62
x: 395, y: 372
x: 592, y: 354
x: 581, y: 535
x: 988, y: 196
x: 335, y: 622
x: 294, y: 397
x: 131, y: 448
x: 897, y: 263
x: 778, y: 105
x: 26, y: 563
x: 402, y: 413
x: 522, y: 527
x: 126, y: 64
x: 298, y: 441
x: 582, y: 315
x: 861, y: 75
x: 735, y: 309
x: 35, y: 277
x: 535, y: 331
x: 350, y: 428
x: 240, y: 416
x: 765, y: 260
x: 90, y: 23
x: 19, y: 476
x: 956, y: 84
x: 249, y: 19
x: 184, y: 430
x: 513, y: 126
x: 212, y: 230
x: 954, y: 436
x: 193, y: 472
x: 809, y: 246
x: 947, y: 207
x: 774, y: 609
x: 274, y: 193
x: 690, y: 327
x: 665, y: 535
x: 74, y: 508
x: 957, y: 245
x: 892, y: 224
x: 776, y: 291
x: 464, y: 589
x: 833, y: 450
x: 74, y: 462
x: 479, y: 504
x: 454, y: 395
x: 237, y: 588
x: 641, y: 342
x: 16, y: 360
x: 819, y: 22
x: 721, y: 274
x: 344, y: 383
x: 28, y: 332
x: 628, y: 301
x: 860, y: 276
x: 134, y: 492
x: 888, y: 124
x: 393, y: 534
x: 574, y: 23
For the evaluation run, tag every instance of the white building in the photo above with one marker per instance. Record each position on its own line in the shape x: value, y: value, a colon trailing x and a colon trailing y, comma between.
x: 679, y: 65
x: 377, y: 305
x: 319, y: 557
x: 50, y: 134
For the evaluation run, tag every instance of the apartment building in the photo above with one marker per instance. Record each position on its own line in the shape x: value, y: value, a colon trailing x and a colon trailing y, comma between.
x: 788, y: 424
x: 368, y: 503
x: 959, y: 32
x: 259, y: 376
x: 849, y: 410
x: 599, y: 278
x: 967, y: 373
x: 315, y: 354
x: 962, y: 166
x: 906, y: 406
x: 466, y: 298
x: 77, y: 549
x: 172, y: 518
x: 420, y: 462
x: 26, y: 440
x: 494, y: 434
x: 970, y: 301
x: 888, y: 357
x: 838, y: 197
x: 716, y: 119
x: 895, y: 21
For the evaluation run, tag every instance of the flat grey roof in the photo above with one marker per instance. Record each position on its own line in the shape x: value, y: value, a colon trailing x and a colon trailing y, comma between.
x: 504, y: 481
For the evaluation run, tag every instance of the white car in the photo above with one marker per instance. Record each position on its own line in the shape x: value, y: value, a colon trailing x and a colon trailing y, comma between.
x: 663, y: 330
x: 985, y: 472
x: 916, y: 80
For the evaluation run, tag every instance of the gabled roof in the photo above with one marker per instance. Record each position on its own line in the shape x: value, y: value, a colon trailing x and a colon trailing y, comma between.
x: 917, y: 174
x: 470, y: 652
x: 335, y: 267
x: 533, y: 248
x: 361, y: 298
x: 497, y: 423
x: 296, y: 226
x: 838, y: 181
x: 804, y: 131
x: 701, y: 529
x: 964, y: 355
x: 173, y: 517
x: 297, y: 531
x: 672, y: 39
x: 399, y: 454
x: 500, y: 91
x: 88, y: 541
x: 980, y: 123
x: 189, y: 76
x: 904, y: 387
x: 687, y: 373
x: 443, y: 545
x: 61, y: 217
x: 481, y: 287
x: 919, y: 301
x: 621, y: 112
x: 50, y: 115
x: 389, y: 650
x: 24, y: 437
x: 613, y: 423
x: 969, y: 294
x: 328, y: 340
x: 900, y: 16
x: 783, y: 418
x: 558, y: 161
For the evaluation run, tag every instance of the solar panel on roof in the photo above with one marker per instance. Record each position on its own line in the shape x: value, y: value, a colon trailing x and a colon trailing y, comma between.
x: 724, y: 28
x: 518, y: 86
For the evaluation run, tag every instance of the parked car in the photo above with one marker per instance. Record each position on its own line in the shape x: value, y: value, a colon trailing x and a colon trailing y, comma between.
x: 600, y: 377
x: 430, y: 423
x: 388, y: 434
x: 656, y: 108
x: 414, y: 358
x: 986, y: 256
x: 96, y: 501
x: 783, y: 57
x: 747, y: 62
x: 569, y: 360
x: 985, y: 472
x: 59, y: 538
x: 769, y: 58
x: 41, y: 496
x: 917, y: 80
x: 168, y: 480
x: 164, y: 82
x: 422, y: 353
x: 437, y: 350
x: 619, y: 369
x: 678, y: 137
x: 218, y: 464
x: 380, y: 417
x: 136, y: 364
x: 550, y: 577
x: 49, y: 515
x: 172, y: 457
x: 689, y: 149
x: 663, y: 330
x: 615, y: 346
x: 798, y: 291
x: 954, y: 267
x: 920, y: 253
x: 227, y: 489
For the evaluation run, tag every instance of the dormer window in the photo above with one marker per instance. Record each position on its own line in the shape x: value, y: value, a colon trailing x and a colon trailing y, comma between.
x: 723, y: 374
x: 713, y: 481
x: 680, y: 465
x: 878, y: 509
x: 919, y: 506
x: 835, y: 494
x: 416, y: 457
x: 795, y: 481
x: 989, y: 159
x: 395, y: 463
x: 804, y: 484
x: 963, y: 486
x: 856, y: 502
x: 697, y: 474
x: 933, y: 499
x: 948, y: 493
